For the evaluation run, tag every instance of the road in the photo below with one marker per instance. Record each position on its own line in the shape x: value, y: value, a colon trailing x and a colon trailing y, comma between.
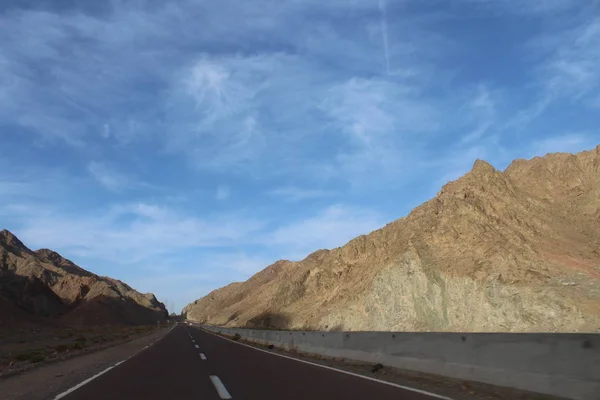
x: 189, y: 363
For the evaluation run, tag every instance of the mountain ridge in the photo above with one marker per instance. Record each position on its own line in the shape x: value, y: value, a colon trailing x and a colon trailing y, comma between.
x: 512, y: 250
x: 44, y: 287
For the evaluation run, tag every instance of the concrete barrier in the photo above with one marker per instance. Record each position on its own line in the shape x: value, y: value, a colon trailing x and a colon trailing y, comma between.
x: 566, y: 365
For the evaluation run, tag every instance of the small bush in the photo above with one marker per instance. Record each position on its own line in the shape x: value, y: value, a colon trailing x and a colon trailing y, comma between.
x: 237, y: 336
x: 66, y: 335
x: 22, y: 357
x: 37, y: 358
x: 61, y: 348
x: 33, y: 357
x: 77, y: 346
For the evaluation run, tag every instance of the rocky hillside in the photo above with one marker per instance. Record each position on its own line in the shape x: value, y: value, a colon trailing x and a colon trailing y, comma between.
x: 38, y: 286
x: 512, y: 251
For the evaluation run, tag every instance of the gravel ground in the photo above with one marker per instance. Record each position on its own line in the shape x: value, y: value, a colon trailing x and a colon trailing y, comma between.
x: 24, y: 349
x: 48, y: 380
x: 453, y: 388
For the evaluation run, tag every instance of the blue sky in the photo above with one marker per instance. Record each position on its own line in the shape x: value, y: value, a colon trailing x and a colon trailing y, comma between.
x: 183, y: 145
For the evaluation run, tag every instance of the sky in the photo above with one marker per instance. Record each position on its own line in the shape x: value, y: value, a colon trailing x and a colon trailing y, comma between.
x: 183, y: 145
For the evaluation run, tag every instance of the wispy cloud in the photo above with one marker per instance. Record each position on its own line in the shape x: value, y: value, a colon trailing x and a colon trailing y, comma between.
x: 572, y: 70
x: 131, y: 233
x: 223, y: 192
x: 293, y: 193
x: 482, y: 108
x: 566, y: 70
x: 384, y: 34
x: 566, y: 143
x: 239, y: 262
x: 531, y: 7
x: 381, y: 119
x: 107, y: 177
x: 11, y: 188
x: 332, y: 227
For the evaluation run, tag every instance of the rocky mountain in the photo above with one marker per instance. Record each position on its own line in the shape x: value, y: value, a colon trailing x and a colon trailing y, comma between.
x: 511, y: 251
x: 38, y: 286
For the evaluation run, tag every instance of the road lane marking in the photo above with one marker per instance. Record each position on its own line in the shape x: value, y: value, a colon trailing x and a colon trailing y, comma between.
x: 202, y: 356
x: 193, y: 341
x: 437, y: 396
x: 88, y: 380
x: 223, y: 393
x: 196, y: 346
x: 85, y: 382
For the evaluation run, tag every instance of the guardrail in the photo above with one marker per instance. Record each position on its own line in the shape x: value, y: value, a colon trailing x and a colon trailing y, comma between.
x: 566, y: 365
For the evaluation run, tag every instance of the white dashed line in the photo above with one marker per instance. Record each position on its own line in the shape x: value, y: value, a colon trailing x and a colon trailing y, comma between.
x: 223, y: 393
x: 196, y: 346
x: 202, y: 356
x: 193, y: 341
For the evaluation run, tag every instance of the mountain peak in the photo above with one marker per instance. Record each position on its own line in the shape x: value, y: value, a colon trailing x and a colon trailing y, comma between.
x: 5, y: 234
x: 482, y: 167
x: 8, y: 238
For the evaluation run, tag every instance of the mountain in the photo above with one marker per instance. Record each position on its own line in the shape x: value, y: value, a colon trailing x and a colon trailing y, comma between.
x: 42, y: 286
x: 512, y: 251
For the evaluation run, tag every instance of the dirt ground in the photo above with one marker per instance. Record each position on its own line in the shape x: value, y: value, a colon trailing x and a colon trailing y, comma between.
x: 26, y: 348
x: 48, y: 378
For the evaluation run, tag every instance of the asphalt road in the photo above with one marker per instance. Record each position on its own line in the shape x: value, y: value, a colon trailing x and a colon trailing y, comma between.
x: 192, y: 364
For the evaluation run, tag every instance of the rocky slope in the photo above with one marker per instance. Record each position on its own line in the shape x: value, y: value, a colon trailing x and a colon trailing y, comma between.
x: 38, y: 286
x: 509, y: 251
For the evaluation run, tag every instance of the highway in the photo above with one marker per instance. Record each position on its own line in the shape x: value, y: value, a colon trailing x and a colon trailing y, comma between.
x: 189, y: 363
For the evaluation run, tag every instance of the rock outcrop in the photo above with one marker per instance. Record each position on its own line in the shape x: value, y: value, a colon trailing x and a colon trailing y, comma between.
x: 43, y: 286
x: 512, y: 251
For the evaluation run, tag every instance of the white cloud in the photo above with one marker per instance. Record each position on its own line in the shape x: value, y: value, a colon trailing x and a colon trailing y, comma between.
x: 239, y: 263
x: 223, y: 192
x: 482, y: 109
x: 374, y: 110
x: 13, y: 188
x: 110, y: 179
x: 115, y: 181
x: 382, y: 120
x: 293, y: 193
x: 567, y: 70
x: 221, y: 100
x: 106, y: 131
x: 566, y: 143
x: 384, y: 34
x: 572, y: 70
x: 542, y: 8
x: 332, y: 227
x: 132, y: 232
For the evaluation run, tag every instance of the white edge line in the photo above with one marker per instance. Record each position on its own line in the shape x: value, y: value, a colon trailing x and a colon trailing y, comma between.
x: 338, y: 370
x: 223, y: 393
x: 202, y: 356
x: 88, y: 380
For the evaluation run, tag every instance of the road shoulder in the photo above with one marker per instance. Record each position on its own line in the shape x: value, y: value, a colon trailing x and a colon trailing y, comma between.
x: 49, y: 380
x: 453, y: 388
